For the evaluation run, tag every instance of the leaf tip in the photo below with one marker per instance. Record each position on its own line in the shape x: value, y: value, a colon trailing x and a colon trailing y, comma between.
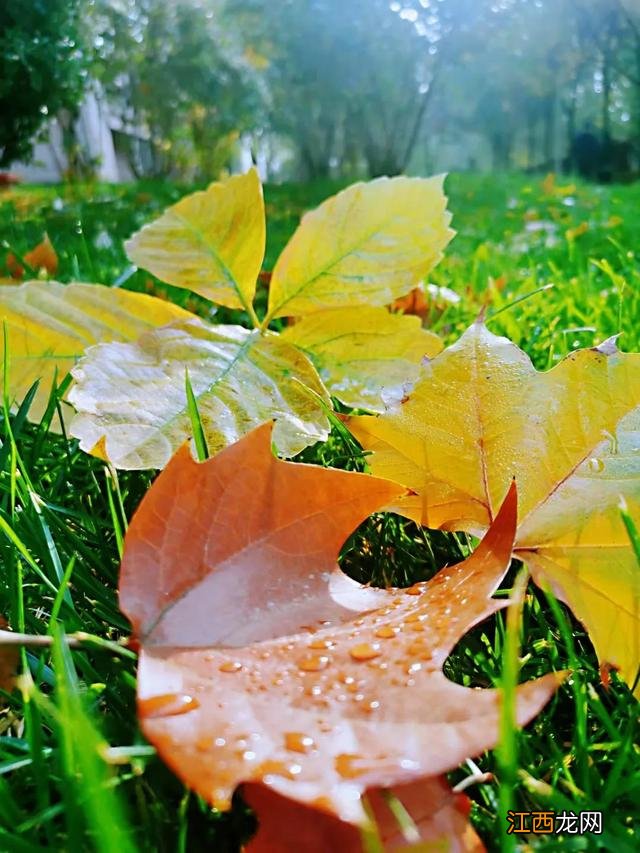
x: 482, y: 316
x: 608, y: 347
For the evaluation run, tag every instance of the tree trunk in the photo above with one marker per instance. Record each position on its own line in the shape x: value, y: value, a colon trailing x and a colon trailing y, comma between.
x: 570, y: 113
x: 606, y: 97
x: 548, y: 131
x: 531, y: 139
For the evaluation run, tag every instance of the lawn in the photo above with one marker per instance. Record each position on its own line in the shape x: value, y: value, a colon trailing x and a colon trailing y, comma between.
x: 553, y: 266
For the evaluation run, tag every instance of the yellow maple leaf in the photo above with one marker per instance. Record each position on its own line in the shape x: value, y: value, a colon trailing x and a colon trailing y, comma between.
x: 479, y: 416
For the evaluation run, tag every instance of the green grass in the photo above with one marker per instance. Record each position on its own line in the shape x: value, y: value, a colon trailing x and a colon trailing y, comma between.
x: 75, y: 773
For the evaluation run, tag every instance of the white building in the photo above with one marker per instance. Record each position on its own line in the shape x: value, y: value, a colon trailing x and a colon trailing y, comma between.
x: 115, y: 149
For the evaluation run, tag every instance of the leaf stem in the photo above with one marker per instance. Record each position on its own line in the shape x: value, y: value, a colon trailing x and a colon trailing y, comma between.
x: 73, y: 641
x: 261, y: 326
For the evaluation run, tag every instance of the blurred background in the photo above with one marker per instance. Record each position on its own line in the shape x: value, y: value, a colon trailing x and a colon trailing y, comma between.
x: 191, y: 89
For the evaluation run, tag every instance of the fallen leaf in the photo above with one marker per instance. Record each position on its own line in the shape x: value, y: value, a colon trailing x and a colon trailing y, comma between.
x: 480, y: 415
x: 366, y: 356
x: 369, y: 244
x: 9, y: 657
x: 573, y: 233
x: 549, y: 184
x: 415, y: 303
x: 133, y: 394
x: 261, y: 661
x: 14, y: 267
x: 423, y: 300
x: 43, y: 256
x: 211, y: 242
x: 50, y: 325
x: 439, y: 816
x: 374, y: 240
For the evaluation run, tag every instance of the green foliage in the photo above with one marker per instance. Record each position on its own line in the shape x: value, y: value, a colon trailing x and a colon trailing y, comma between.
x: 41, y: 69
x: 179, y: 69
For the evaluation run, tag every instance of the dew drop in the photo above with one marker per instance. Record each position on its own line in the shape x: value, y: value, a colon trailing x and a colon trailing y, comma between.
x: 596, y: 465
x: 346, y: 765
x: 365, y: 651
x: 298, y: 742
x: 230, y: 666
x: 314, y: 663
x: 416, y: 589
x: 273, y: 768
x: 386, y: 632
x: 321, y: 644
x: 167, y: 705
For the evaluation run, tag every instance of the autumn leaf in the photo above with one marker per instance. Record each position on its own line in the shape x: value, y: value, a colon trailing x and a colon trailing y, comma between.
x: 14, y: 267
x: 9, y: 657
x: 414, y: 303
x: 368, y: 244
x: 439, y: 818
x: 43, y: 256
x: 49, y: 326
x: 426, y: 299
x: 211, y: 242
x: 480, y: 415
x: 366, y: 356
x: 133, y: 395
x: 572, y: 234
x: 131, y: 399
x: 262, y: 662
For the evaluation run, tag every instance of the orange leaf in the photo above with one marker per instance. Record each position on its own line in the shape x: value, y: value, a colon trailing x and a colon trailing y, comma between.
x: 14, y: 267
x: 8, y: 661
x: 439, y: 816
x: 43, y: 256
x: 262, y: 662
x: 413, y: 303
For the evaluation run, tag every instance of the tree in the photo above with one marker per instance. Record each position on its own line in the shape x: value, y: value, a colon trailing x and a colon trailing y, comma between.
x: 176, y: 68
x: 42, y: 69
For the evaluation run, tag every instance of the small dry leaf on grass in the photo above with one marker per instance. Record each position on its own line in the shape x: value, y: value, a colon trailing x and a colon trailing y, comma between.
x: 41, y: 257
x: 262, y: 662
x: 9, y: 657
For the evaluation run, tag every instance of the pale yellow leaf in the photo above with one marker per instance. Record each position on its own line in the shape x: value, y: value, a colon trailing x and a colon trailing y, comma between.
x: 368, y: 244
x: 49, y: 325
x: 211, y: 242
x: 134, y: 394
x: 367, y: 357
